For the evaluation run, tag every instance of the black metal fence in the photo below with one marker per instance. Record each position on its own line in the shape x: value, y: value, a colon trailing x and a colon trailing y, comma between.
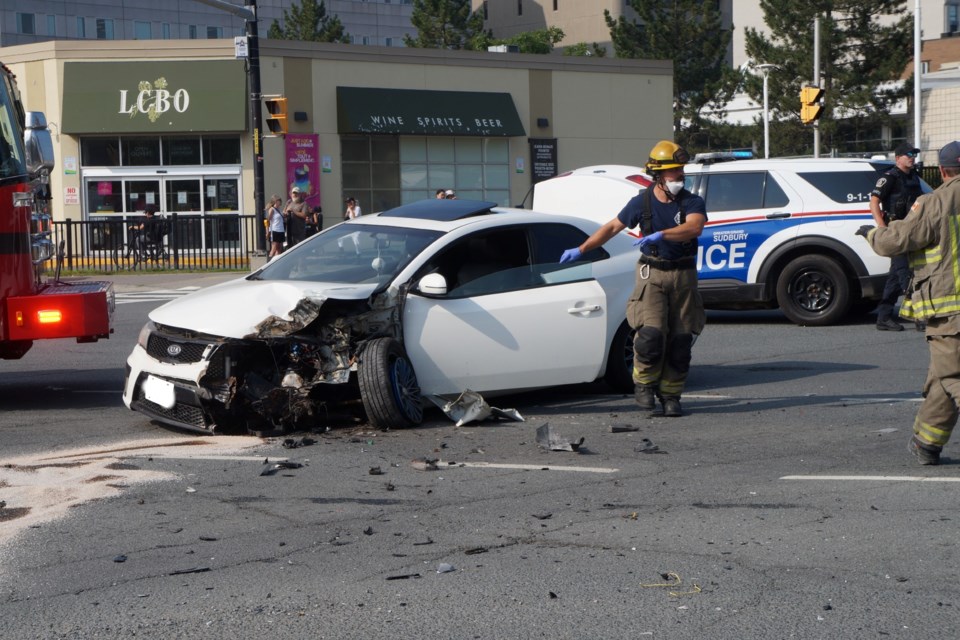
x: 212, y: 242
x: 931, y: 176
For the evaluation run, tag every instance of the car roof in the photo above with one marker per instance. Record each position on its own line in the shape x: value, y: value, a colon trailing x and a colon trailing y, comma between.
x: 441, y: 210
x: 790, y: 164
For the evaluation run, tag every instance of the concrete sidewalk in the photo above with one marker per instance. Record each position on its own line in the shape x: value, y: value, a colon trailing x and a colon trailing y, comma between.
x: 129, y: 282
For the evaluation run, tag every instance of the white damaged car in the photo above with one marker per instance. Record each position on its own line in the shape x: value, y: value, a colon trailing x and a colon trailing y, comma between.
x: 422, y: 301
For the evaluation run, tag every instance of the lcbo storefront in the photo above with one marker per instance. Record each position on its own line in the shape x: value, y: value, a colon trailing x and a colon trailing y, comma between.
x: 161, y: 133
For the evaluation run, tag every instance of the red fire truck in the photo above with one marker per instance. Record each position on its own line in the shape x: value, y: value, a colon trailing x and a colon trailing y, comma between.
x: 33, y: 307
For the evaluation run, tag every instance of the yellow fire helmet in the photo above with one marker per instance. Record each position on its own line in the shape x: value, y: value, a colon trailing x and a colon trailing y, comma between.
x: 667, y: 155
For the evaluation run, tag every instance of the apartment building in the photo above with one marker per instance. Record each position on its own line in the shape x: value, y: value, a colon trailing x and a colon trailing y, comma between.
x: 369, y: 22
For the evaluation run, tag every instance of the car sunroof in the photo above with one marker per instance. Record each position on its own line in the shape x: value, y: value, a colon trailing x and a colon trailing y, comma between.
x: 440, y: 210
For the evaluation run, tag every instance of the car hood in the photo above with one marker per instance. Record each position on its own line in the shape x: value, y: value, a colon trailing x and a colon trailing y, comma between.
x: 254, y: 309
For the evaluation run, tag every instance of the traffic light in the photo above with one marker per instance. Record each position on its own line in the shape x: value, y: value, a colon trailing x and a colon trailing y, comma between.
x: 276, y: 114
x: 811, y: 107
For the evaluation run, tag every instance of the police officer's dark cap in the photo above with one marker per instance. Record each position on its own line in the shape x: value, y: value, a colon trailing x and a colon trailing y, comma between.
x: 904, y: 148
x: 950, y: 155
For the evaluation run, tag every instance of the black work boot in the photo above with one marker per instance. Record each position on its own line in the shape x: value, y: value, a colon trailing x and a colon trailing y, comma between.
x: 646, y: 396
x: 889, y: 324
x: 925, y: 453
x: 671, y: 407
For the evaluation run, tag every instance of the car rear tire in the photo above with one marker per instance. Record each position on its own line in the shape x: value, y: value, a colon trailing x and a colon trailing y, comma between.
x: 619, y: 373
x: 388, y: 385
x: 813, y: 290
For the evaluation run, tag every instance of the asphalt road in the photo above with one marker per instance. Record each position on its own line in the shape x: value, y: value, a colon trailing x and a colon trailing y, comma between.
x: 784, y: 505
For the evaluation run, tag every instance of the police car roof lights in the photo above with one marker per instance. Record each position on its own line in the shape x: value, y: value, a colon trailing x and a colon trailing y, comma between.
x: 722, y: 156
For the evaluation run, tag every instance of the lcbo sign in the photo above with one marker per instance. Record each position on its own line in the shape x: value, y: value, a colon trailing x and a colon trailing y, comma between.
x: 154, y: 99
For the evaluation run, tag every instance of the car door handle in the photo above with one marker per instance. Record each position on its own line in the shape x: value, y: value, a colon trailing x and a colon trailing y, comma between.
x: 590, y: 308
x: 778, y: 215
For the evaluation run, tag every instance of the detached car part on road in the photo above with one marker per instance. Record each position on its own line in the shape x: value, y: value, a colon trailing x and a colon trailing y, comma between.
x: 780, y: 232
x: 425, y: 300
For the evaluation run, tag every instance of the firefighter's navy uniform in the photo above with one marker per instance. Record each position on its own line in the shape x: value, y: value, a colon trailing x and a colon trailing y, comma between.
x: 665, y: 309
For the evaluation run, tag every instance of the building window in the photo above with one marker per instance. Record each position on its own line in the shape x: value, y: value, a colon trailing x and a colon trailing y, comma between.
x: 953, y: 19
x: 141, y: 30
x: 81, y: 27
x: 924, y: 66
x: 25, y: 23
x: 214, y: 32
x: 51, y: 25
x: 555, y: 3
x: 486, y: 12
x: 519, y: 7
x: 104, y: 29
x: 192, y: 32
x: 388, y: 42
x: 364, y: 39
x: 165, y: 30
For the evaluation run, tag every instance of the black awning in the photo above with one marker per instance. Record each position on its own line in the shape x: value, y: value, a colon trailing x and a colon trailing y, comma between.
x: 432, y: 113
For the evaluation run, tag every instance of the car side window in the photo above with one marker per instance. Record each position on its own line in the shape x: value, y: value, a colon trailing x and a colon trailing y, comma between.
x: 549, y: 242
x: 740, y: 191
x: 484, y: 262
x: 843, y: 186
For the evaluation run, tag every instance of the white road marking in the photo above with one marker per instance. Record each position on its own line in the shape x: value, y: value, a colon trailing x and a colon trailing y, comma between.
x: 535, y: 467
x: 705, y: 396
x: 156, y: 295
x: 877, y: 400
x: 873, y: 478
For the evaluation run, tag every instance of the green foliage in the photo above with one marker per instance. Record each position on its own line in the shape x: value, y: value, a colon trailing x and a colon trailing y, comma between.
x: 540, y: 41
x: 690, y: 33
x: 308, y: 21
x: 584, y: 49
x: 859, y: 60
x: 447, y: 24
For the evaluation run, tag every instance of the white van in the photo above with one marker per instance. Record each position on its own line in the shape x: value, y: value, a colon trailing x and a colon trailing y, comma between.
x: 780, y: 232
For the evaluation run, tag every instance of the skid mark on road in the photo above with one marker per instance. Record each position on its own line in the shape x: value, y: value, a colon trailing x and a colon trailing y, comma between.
x: 873, y: 478
x: 536, y: 467
x: 42, y: 487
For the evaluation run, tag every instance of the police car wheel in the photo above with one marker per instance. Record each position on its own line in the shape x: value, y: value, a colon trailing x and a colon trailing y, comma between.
x: 813, y: 290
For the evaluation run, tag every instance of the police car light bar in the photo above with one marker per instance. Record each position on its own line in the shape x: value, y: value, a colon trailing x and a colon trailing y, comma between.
x: 722, y: 156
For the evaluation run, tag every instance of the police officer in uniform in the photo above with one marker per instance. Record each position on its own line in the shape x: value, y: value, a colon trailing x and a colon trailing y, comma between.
x: 891, y: 199
x: 930, y: 236
x: 665, y: 308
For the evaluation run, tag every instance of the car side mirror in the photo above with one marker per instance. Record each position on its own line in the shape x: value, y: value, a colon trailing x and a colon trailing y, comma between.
x: 433, y: 284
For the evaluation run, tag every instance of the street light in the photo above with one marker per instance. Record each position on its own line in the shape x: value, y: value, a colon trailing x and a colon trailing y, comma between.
x: 765, y: 70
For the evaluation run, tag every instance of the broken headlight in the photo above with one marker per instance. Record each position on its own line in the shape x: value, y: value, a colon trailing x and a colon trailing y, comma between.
x: 145, y: 332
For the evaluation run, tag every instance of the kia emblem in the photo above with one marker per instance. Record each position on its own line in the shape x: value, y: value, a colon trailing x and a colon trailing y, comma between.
x: 174, y: 350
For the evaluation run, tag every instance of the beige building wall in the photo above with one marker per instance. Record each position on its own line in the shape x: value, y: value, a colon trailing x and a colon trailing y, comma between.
x: 599, y: 110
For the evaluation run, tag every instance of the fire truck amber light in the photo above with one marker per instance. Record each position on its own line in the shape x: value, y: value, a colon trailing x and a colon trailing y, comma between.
x: 19, y: 318
x: 49, y: 316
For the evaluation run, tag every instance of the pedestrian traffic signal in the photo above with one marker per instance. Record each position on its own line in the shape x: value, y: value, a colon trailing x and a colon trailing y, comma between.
x: 811, y: 104
x: 276, y: 115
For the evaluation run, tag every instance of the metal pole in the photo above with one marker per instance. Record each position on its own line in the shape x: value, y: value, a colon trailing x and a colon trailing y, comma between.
x: 765, y: 70
x: 253, y: 76
x: 917, y: 77
x: 816, y: 82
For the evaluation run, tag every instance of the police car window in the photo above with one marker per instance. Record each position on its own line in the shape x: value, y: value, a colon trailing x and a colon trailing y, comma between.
x: 739, y: 191
x: 844, y: 186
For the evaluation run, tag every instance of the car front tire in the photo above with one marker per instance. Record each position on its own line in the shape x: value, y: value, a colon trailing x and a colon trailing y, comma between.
x: 619, y: 373
x: 388, y: 385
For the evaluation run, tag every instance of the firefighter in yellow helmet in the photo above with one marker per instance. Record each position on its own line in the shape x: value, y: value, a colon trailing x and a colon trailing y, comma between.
x: 665, y: 309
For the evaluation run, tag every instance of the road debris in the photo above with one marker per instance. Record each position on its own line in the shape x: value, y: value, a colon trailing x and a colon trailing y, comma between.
x: 677, y: 581
x: 279, y: 466
x: 445, y: 567
x: 470, y: 406
x: 549, y: 439
x: 405, y: 576
x: 647, y: 446
x: 295, y: 443
x: 425, y: 464
x: 623, y: 428
x: 120, y: 558
x: 375, y: 471
x: 180, y: 572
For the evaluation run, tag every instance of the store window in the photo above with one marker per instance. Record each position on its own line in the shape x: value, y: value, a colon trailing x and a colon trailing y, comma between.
x: 81, y: 27
x: 26, y: 23
x: 104, y: 29
x: 181, y: 151
x: 141, y: 152
x: 141, y: 30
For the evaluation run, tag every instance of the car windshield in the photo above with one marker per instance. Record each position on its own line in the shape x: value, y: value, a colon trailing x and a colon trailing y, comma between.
x: 350, y: 254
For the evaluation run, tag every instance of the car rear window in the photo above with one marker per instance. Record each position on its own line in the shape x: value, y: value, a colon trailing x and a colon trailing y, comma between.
x: 844, y: 186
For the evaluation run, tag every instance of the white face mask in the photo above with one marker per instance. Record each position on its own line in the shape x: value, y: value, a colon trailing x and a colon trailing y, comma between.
x: 674, y: 187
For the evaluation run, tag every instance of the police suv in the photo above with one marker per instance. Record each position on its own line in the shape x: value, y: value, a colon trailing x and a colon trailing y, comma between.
x: 780, y: 232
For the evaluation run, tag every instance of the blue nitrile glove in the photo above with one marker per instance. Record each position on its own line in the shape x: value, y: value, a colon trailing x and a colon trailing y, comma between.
x: 571, y: 255
x: 864, y: 230
x: 653, y: 238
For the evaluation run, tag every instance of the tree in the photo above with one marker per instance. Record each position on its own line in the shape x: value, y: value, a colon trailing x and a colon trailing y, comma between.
x: 447, y: 24
x: 690, y: 33
x: 308, y: 21
x: 864, y: 49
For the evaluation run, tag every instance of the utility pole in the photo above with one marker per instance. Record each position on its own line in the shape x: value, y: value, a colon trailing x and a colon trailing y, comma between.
x: 249, y: 14
x: 917, y: 76
x: 765, y: 70
x: 816, y: 82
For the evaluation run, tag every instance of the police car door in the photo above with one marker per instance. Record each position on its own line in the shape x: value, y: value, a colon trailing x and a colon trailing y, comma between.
x: 748, y: 212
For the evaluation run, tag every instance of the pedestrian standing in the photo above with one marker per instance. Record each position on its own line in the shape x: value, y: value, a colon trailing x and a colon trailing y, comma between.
x: 895, y: 192
x: 665, y: 308
x: 930, y: 236
x: 275, y: 227
x: 295, y: 212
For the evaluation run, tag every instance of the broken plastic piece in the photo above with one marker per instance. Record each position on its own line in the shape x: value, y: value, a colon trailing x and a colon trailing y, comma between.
x: 277, y: 466
x: 623, y: 428
x: 445, y: 567
x: 647, y: 446
x: 405, y: 576
x: 471, y: 407
x: 549, y: 439
x: 120, y: 558
x: 181, y: 572
x: 425, y: 464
